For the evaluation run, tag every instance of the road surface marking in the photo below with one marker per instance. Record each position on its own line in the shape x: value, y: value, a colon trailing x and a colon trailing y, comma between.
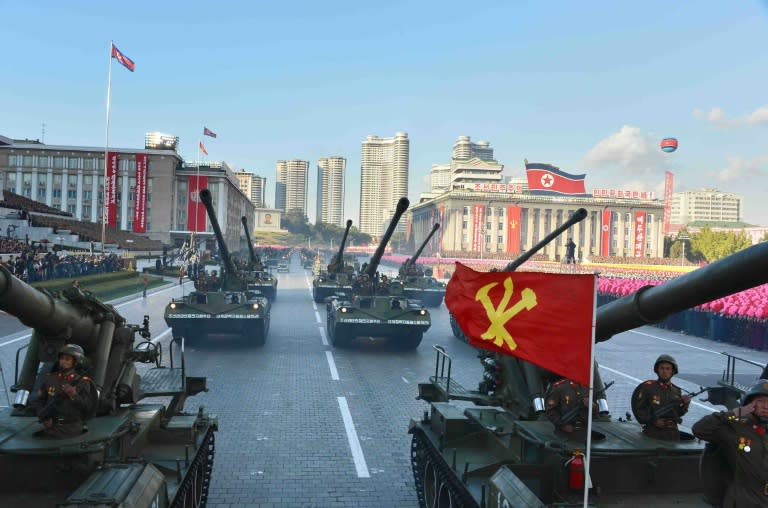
x: 322, y: 336
x: 354, y: 442
x: 405, y: 380
x: 332, y: 366
x: 317, y: 317
x: 677, y: 342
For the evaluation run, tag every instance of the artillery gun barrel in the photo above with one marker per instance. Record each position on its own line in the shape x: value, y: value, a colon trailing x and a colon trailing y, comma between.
x: 413, y: 258
x: 373, y: 264
x: 205, y: 197
x: 578, y: 216
x: 340, y: 254
x: 651, y: 304
x: 254, y: 257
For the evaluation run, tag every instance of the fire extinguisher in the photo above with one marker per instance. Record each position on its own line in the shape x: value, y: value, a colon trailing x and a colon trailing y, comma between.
x: 575, y: 467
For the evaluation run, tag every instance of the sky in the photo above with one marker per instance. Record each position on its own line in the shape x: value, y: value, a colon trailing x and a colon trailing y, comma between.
x: 591, y: 87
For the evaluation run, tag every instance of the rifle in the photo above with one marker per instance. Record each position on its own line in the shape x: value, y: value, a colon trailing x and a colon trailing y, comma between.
x: 669, y: 410
x: 51, y: 408
x: 574, y: 411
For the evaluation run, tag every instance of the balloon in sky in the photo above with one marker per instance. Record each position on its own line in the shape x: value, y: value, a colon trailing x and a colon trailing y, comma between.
x: 669, y: 145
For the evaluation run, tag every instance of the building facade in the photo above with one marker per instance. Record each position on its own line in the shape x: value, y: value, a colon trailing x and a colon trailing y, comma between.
x: 706, y: 205
x: 506, y: 224
x: 383, y: 180
x: 440, y: 178
x: 253, y: 186
x: 291, y: 183
x: 71, y: 179
x: 465, y: 149
x: 330, y: 189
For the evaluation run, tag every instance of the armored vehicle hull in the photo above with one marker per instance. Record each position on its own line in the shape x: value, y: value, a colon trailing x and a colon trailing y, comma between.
x: 427, y: 290
x: 263, y: 282
x: 336, y: 280
x: 394, y: 317
x: 200, y: 315
x: 323, y: 287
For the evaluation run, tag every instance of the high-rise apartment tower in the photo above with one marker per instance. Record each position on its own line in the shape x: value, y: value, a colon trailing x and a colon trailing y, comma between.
x: 291, y: 185
x: 330, y: 189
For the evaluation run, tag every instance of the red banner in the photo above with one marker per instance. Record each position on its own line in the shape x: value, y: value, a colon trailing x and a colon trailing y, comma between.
x: 110, y: 190
x: 669, y: 180
x: 640, y: 218
x: 195, y: 209
x: 511, y: 313
x: 140, y: 195
x: 513, y: 229
x: 477, y: 224
x: 605, y: 233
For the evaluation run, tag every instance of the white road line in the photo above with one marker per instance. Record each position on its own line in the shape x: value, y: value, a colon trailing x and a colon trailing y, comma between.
x: 332, y: 366
x: 322, y: 336
x: 354, y: 442
x: 405, y: 380
x: 676, y: 342
x: 162, y: 334
x: 314, y: 306
x: 638, y: 381
x: 26, y: 336
x: 317, y: 317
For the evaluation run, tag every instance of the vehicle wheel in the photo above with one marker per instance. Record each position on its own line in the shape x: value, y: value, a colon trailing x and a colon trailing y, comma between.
x: 259, y: 334
x: 457, y: 332
x: 338, y: 338
x: 410, y: 340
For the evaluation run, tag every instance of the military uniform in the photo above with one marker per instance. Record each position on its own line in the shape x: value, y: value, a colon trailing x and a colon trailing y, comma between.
x: 653, y: 396
x: 64, y: 415
x: 565, y: 398
x: 744, y: 447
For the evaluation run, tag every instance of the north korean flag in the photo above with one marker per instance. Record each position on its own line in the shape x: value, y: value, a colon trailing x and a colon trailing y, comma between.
x: 548, y: 180
x: 127, y: 62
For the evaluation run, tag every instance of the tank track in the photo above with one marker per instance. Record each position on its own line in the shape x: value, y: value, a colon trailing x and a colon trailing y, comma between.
x: 421, y: 446
x: 200, y: 469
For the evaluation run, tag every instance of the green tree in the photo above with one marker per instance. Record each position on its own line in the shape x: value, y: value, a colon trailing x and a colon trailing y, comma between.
x: 296, y: 222
x: 714, y: 245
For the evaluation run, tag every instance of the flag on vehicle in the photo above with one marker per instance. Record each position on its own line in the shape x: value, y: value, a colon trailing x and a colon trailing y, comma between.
x: 127, y: 62
x: 548, y: 180
x: 544, y: 318
x: 202, y: 148
x: 208, y: 132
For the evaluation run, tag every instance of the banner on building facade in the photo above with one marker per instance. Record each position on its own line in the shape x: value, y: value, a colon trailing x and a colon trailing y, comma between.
x: 669, y: 180
x: 513, y: 229
x: 140, y: 194
x: 605, y: 233
x: 478, y: 212
x: 195, y: 209
x: 110, y: 190
x: 639, y: 249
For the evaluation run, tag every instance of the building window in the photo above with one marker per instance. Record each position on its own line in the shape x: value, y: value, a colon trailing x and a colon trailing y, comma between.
x: 71, y: 209
x: 500, y: 240
x: 56, y: 193
x: 89, y: 163
x: 58, y: 162
x: 72, y: 194
x: 43, y: 161
x: 464, y: 225
x: 12, y: 160
x: 86, y: 211
x: 27, y: 161
x: 41, y: 193
x: 87, y: 194
x: 73, y: 163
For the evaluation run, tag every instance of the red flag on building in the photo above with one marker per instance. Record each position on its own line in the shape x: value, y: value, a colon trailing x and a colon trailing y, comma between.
x: 208, y: 132
x: 544, y: 318
x: 549, y: 180
x: 127, y: 62
x: 202, y: 148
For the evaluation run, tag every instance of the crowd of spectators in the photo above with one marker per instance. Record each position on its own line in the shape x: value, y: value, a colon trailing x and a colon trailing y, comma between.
x: 26, y: 205
x: 627, y: 260
x: 32, y: 263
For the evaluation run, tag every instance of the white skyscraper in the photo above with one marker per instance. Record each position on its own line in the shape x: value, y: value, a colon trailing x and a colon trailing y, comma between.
x: 330, y: 189
x: 291, y: 185
x: 383, y: 181
x: 253, y: 186
x: 706, y: 205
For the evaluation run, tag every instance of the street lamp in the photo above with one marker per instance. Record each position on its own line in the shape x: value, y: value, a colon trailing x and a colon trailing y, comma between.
x: 682, y: 239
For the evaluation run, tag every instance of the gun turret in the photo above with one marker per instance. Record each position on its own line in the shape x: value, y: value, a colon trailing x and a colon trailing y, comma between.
x: 373, y: 264
x: 229, y: 278
x: 412, y: 260
x: 255, y: 259
x: 337, y: 262
x: 74, y: 318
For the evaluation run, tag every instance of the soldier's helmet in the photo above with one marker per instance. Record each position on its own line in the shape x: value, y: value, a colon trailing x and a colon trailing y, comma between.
x: 75, y: 351
x: 665, y: 359
x: 759, y: 388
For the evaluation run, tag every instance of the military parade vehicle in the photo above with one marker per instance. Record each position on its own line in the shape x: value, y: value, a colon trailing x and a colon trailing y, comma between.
x: 418, y: 281
x: 378, y: 307
x: 337, y: 279
x: 221, y: 304
x: 258, y: 276
x: 132, y: 452
x: 491, y: 447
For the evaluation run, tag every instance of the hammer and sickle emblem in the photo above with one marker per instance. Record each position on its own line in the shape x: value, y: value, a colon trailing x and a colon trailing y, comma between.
x: 501, y: 314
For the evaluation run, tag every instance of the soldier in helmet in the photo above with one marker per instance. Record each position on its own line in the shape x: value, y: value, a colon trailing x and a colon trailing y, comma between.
x: 66, y: 398
x: 740, y: 436
x: 567, y: 404
x: 658, y: 404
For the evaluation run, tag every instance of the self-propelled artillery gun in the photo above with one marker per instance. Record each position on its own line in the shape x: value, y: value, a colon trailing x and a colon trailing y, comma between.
x: 378, y: 307
x: 337, y: 279
x: 257, y: 275
x: 220, y: 305
x: 495, y: 449
x: 418, y: 282
x: 132, y: 451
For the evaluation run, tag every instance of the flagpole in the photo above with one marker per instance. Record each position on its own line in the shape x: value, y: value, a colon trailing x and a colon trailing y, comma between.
x: 587, y: 481
x: 106, y: 151
x: 197, y: 183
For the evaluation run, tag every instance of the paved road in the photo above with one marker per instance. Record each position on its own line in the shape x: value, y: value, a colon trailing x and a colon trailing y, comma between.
x: 303, y: 424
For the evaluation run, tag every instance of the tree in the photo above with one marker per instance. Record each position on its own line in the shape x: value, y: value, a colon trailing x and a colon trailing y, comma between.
x: 714, y: 245
x: 296, y: 222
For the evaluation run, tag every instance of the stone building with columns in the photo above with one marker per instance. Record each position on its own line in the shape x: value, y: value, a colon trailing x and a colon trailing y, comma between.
x: 71, y: 179
x: 503, y: 223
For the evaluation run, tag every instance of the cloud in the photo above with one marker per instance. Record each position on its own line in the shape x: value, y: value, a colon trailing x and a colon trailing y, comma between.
x: 629, y: 150
x: 740, y: 169
x: 718, y: 117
